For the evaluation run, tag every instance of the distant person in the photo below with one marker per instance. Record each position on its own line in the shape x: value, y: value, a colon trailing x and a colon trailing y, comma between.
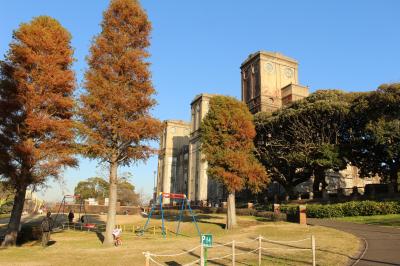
x: 83, y: 219
x: 46, y: 225
x: 71, y: 216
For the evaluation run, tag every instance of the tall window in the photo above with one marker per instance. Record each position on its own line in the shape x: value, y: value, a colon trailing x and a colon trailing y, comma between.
x: 198, y: 118
x: 193, y: 119
x: 248, y: 85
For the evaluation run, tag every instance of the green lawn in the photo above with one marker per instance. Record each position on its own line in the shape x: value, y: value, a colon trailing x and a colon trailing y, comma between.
x: 386, y: 220
x: 84, y: 248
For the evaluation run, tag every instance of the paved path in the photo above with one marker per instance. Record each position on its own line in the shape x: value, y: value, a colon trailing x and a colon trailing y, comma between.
x: 381, y: 245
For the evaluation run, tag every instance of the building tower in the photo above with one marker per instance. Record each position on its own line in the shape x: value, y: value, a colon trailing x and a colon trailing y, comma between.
x: 270, y: 81
x: 198, y: 178
x: 173, y: 158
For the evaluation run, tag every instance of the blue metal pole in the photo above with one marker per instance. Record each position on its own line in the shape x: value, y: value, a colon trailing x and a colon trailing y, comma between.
x: 162, y: 217
x: 149, y: 217
x: 180, y: 216
x: 194, y: 219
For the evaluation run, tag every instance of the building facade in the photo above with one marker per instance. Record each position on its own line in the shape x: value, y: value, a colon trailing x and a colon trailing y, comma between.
x: 269, y: 81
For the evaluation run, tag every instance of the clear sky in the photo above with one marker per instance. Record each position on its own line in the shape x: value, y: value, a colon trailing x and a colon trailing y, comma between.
x: 198, y: 46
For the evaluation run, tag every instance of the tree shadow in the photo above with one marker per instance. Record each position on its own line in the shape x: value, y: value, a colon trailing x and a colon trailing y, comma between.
x: 51, y: 242
x: 100, y: 236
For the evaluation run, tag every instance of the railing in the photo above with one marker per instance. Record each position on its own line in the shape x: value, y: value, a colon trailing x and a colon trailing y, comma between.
x: 151, y: 257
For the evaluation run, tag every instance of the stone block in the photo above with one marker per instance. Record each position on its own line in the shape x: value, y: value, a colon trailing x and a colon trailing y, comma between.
x: 302, y: 209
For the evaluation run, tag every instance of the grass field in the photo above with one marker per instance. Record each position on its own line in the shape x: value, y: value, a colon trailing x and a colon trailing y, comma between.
x: 71, y: 247
x: 385, y: 220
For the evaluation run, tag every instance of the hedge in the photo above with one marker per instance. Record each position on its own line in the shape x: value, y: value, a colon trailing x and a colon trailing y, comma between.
x: 351, y: 208
x: 6, y: 207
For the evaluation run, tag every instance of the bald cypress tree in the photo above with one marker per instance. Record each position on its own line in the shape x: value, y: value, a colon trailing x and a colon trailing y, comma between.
x: 115, y: 110
x: 36, y: 130
x: 227, y: 134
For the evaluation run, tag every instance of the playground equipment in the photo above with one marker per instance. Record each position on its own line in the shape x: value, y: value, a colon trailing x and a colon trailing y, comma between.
x: 82, y: 210
x: 172, y: 196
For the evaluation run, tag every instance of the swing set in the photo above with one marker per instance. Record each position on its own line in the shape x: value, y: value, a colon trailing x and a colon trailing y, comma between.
x: 82, y: 210
x: 184, y: 202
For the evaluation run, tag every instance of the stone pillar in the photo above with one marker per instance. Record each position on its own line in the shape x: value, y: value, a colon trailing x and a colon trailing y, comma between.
x: 311, y: 195
x: 277, y: 208
x: 302, y: 214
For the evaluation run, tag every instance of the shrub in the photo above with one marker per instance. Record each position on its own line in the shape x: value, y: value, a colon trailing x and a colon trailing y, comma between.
x: 271, y: 215
x: 353, y: 208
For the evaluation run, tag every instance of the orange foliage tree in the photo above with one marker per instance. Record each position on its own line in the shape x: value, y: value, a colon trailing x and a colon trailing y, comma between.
x: 36, y: 130
x: 227, y: 134
x: 115, y: 114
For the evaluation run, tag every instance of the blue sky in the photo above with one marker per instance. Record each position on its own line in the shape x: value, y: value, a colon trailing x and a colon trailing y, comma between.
x: 198, y: 46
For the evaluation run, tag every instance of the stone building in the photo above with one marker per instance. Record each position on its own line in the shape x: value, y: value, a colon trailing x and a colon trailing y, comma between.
x: 269, y: 81
x: 173, y: 157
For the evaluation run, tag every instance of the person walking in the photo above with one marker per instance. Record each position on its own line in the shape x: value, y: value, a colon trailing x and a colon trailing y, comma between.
x: 46, y: 225
x: 71, y: 216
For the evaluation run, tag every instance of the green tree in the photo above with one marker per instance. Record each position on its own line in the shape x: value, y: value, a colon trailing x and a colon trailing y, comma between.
x: 36, y: 127
x: 94, y: 187
x: 98, y: 188
x: 227, y: 134
x: 115, y: 110
x: 304, y: 139
x: 374, y: 133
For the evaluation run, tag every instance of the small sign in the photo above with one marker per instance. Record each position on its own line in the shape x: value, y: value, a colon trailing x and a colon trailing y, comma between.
x: 206, y: 240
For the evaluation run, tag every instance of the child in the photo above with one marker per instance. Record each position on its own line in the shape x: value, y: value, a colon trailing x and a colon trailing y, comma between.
x: 117, y: 236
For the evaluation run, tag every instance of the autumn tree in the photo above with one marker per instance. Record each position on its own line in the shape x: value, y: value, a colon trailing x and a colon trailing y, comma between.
x: 227, y: 134
x: 36, y: 87
x: 115, y: 110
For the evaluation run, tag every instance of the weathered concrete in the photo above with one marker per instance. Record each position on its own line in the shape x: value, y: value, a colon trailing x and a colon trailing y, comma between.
x: 381, y: 243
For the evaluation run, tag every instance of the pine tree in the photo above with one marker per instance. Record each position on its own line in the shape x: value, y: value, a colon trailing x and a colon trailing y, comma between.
x: 115, y: 114
x: 36, y: 130
x: 227, y: 134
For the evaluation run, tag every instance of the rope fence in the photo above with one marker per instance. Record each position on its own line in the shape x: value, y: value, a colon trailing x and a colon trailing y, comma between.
x: 151, y: 257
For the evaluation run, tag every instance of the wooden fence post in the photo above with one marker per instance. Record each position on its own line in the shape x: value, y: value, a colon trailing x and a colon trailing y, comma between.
x: 313, y: 250
x: 147, y: 255
x: 201, y: 255
x: 259, y: 250
x: 233, y: 252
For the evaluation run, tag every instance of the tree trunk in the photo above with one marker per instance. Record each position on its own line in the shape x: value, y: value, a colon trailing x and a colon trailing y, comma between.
x: 231, y: 212
x: 112, y: 204
x: 15, y: 219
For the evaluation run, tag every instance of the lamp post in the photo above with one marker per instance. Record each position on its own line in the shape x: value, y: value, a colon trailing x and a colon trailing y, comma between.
x: 154, y: 186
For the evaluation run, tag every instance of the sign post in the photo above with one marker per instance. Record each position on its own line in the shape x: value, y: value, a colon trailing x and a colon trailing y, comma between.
x: 206, y: 242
